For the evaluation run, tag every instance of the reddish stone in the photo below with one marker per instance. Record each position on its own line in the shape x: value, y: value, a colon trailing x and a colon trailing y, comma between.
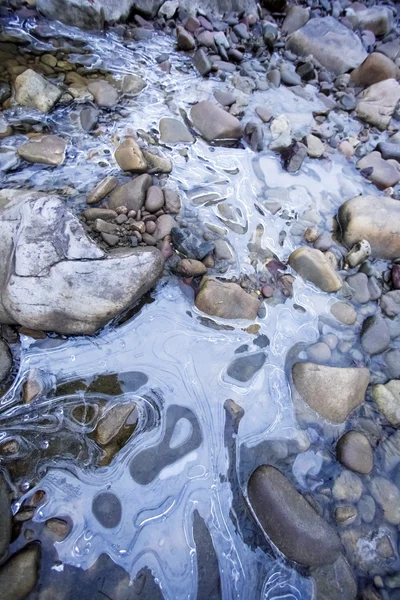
x: 396, y: 276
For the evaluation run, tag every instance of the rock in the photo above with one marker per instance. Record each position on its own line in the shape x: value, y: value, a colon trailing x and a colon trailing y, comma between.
x: 319, y: 353
x: 389, y: 150
x: 359, y: 252
x: 202, y: 62
x: 5, y: 515
x: 315, y: 148
x: 173, y: 131
x: 289, y: 520
x: 387, y: 495
x: 165, y: 224
x: 45, y: 150
x: 225, y: 300
x: 377, y: 19
x: 335, y: 46
x: 104, y: 94
x: 33, y: 90
x: 376, y: 67
x: 110, y: 425
x: 190, y: 245
x: 347, y: 387
x: 344, y: 313
x: 89, y: 117
x: 387, y: 397
x: 377, y: 103
x: 245, y: 367
x: 154, y: 199
x: 296, y: 17
x: 214, y: 123
x: 91, y: 214
x: 172, y: 201
x: 78, y: 13
x: 131, y: 194
x: 8, y: 158
x: 335, y: 581
x: 274, y: 6
x: 102, y: 189
x: 157, y: 163
x: 347, y: 486
x: 19, y: 575
x: 359, y: 287
x: 290, y: 77
x: 130, y: 157
x: 293, y: 157
x: 383, y: 173
x: 376, y: 219
x: 54, y: 278
x: 185, y: 39
x: 392, y: 360
x: 375, y: 335
x: 345, y: 514
x: 312, y: 265
x: 280, y: 125
x: 189, y: 267
x: 5, y: 367
x: 264, y: 114
x: 390, y: 303
x: 396, y: 276
x: 110, y: 238
x: 354, y: 451
x: 133, y: 84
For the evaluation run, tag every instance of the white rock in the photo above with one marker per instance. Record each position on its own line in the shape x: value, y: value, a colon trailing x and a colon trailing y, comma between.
x: 32, y: 89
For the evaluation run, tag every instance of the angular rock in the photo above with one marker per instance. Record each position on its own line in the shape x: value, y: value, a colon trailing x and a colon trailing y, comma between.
x: 172, y: 201
x: 335, y: 46
x: 387, y: 397
x: 226, y: 300
x: 374, y: 219
x: 190, y: 245
x: 293, y: 157
x: 20, y: 573
x: 185, y: 39
x: 133, y: 84
x: 130, y: 157
x: 5, y: 367
x: 332, y: 392
x: 289, y: 520
x: 376, y: 67
x: 384, y: 173
x: 157, y: 163
x: 375, y: 335
x: 104, y: 94
x: 89, y: 117
x: 387, y: 495
x: 202, y: 62
x: 54, y: 278
x: 315, y: 148
x: 214, y: 123
x: 173, y: 131
x: 102, y: 189
x: 354, y: 451
x: 45, y: 150
x: 33, y: 90
x: 377, y: 103
x: 131, y: 194
x: 296, y: 17
x: 312, y: 265
x: 344, y: 313
x: 359, y: 287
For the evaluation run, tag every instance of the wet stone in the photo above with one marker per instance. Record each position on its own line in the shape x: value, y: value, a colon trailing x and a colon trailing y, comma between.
x: 130, y: 157
x: 375, y: 335
x: 244, y: 368
x: 107, y: 509
x: 154, y: 199
x: 46, y: 150
x: 33, y: 90
x: 5, y: 517
x: 5, y: 361
x: 19, y: 575
x: 104, y: 94
x: 188, y: 244
x: 348, y: 486
x: 354, y: 451
x: 312, y: 265
x: 387, y: 495
x: 387, y: 398
x: 102, y: 189
x: 202, y: 62
x: 226, y: 300
x: 173, y: 131
x: 89, y: 117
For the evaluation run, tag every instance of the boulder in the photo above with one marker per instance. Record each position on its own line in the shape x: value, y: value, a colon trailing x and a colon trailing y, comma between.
x: 332, y: 392
x: 19, y: 575
x: 33, y: 90
x: 336, y: 47
x: 377, y: 103
x: 376, y: 67
x: 354, y: 451
x: 131, y: 194
x: 289, y: 520
x: 54, y: 278
x: 130, y: 157
x: 214, y: 123
x: 45, y: 150
x: 78, y: 13
x: 384, y: 173
x: 226, y: 300
x: 387, y: 398
x: 312, y: 265
x: 376, y: 219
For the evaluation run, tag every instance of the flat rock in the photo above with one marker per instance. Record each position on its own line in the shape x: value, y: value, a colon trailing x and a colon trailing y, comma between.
x: 332, y: 392
x: 335, y: 46
x: 214, y: 123
x: 354, y: 451
x: 384, y: 173
x: 376, y: 67
x: 19, y: 575
x: 376, y: 219
x: 377, y: 103
x: 289, y: 520
x: 130, y: 157
x: 45, y: 150
x: 312, y: 265
x: 131, y: 194
x: 387, y: 398
x: 54, y: 278
x: 102, y: 189
x: 173, y: 131
x: 226, y: 300
x: 5, y: 367
x: 33, y: 90
x: 104, y: 93
x: 344, y: 313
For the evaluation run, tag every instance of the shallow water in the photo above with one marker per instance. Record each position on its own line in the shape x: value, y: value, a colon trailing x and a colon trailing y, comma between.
x: 179, y: 457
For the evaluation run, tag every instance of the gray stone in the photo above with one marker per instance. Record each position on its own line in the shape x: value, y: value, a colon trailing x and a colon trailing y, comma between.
x: 54, y: 278
x: 377, y: 103
x: 387, y: 398
x: 244, y: 368
x: 8, y: 158
x: 157, y: 163
x: 104, y: 94
x: 45, y: 150
x: 387, y: 495
x: 384, y: 173
x: 376, y: 219
x: 226, y: 300
x: 296, y: 17
x: 344, y: 313
x: 312, y: 265
x: 164, y: 225
x: 332, y: 392
x: 91, y: 214
x: 191, y: 245
x: 154, y: 199
x: 173, y: 131
x: 392, y: 359
x: 89, y: 117
x: 375, y: 335
x: 214, y: 123
x: 5, y: 367
x: 315, y: 148
x: 172, y: 201
x: 377, y: 19
x: 79, y: 13
x: 202, y: 62
x: 389, y: 150
x: 131, y: 194
x: 19, y: 575
x: 348, y: 487
x: 133, y: 84
x: 33, y: 90
x: 335, y: 46
x: 290, y: 77
x: 354, y: 451
x: 289, y: 520
x: 5, y: 517
x: 102, y: 189
x: 390, y: 303
x: 294, y: 156
x: 366, y: 508
x: 319, y: 353
x: 335, y: 581
x: 359, y: 286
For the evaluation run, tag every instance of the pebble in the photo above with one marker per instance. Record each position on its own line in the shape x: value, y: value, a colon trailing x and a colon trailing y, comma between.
x: 347, y: 486
x: 375, y: 335
x: 319, y: 353
x: 154, y: 199
x: 354, y: 451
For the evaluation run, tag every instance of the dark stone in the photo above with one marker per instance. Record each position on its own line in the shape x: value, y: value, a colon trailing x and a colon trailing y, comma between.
x: 274, y: 6
x: 202, y: 62
x: 19, y: 575
x: 89, y: 117
x: 245, y: 367
x: 375, y: 335
x: 189, y: 244
x: 389, y: 150
x: 255, y: 134
x: 107, y: 509
x: 306, y: 71
x: 347, y: 102
x: 209, y: 580
x: 5, y: 517
x: 396, y: 276
x: 294, y: 156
